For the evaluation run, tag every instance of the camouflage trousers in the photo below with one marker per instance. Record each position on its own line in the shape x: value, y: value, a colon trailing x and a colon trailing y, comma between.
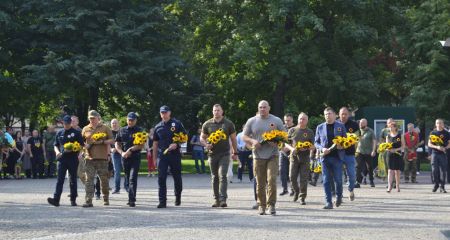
x: 96, y: 167
x: 81, y: 172
x: 299, y: 165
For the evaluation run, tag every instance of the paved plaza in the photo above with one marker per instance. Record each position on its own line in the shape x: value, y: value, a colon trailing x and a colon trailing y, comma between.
x: 414, y: 213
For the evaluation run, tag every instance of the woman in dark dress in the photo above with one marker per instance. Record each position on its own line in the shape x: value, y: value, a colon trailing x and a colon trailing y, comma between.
x: 395, y: 156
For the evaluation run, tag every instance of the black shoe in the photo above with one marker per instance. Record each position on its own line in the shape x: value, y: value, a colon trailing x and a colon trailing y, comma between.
x: 216, y: 204
x: 284, y: 192
x: 53, y: 202
x: 442, y: 190
x: 161, y: 205
x: 328, y: 206
x: 295, y: 197
x: 372, y: 184
x: 302, y: 201
x: 435, y: 188
x: 338, y: 202
x: 87, y: 205
x: 313, y: 183
x: 73, y: 203
x: 357, y: 185
x: 68, y: 196
x: 223, y: 204
x: 291, y: 194
x: 178, y: 201
x: 116, y: 192
x: 132, y: 204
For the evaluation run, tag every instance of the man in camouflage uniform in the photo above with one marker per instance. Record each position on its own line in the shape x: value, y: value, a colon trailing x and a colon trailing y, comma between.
x: 96, y: 156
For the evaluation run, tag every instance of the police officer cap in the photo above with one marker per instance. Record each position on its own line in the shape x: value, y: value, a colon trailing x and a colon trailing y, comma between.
x: 67, y: 119
x: 132, y: 115
x: 164, y: 109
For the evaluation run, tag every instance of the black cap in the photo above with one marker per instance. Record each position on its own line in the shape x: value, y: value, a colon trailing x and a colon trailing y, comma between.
x: 67, y: 119
x: 164, y: 109
x: 132, y: 115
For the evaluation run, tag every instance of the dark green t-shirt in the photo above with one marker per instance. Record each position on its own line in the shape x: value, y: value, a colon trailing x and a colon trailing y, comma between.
x: 296, y: 134
x: 49, y: 140
x: 223, y: 146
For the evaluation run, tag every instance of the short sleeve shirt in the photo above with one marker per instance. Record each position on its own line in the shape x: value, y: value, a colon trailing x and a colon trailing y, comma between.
x: 352, y: 127
x: 296, y: 134
x: 164, y: 132
x: 223, y: 146
x: 97, y: 151
x: 36, y: 144
x: 125, y: 138
x: 255, y: 127
x: 366, y: 138
x: 49, y: 140
x: 64, y: 136
x: 444, y: 135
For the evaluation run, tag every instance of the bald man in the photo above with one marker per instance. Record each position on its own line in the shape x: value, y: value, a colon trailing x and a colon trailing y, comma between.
x: 265, y: 156
x: 365, y: 151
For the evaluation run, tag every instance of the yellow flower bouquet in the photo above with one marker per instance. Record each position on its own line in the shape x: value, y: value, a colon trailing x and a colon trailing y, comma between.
x: 217, y: 136
x: 178, y: 138
x: 140, y: 138
x: 318, y: 168
x: 303, y: 145
x: 436, y: 140
x: 345, y: 142
x: 98, y: 136
x: 383, y: 147
x: 276, y: 136
x: 72, y: 147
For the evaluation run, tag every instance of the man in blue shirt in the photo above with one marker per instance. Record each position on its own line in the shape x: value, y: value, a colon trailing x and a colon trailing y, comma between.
x: 131, y: 154
x: 67, y: 161
x: 163, y: 142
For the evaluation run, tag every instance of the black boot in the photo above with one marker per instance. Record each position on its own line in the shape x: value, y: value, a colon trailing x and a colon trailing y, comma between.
x: 53, y: 202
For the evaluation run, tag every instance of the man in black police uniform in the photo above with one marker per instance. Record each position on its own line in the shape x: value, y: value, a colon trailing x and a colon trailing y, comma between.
x: 131, y: 154
x: 66, y: 161
x: 162, y: 141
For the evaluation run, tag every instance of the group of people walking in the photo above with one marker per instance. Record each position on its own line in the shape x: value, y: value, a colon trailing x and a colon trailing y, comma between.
x: 85, y: 152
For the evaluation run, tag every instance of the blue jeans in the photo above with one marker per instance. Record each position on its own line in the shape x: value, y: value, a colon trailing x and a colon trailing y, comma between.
x: 284, y: 170
x: 117, y: 163
x: 350, y: 162
x: 332, y: 167
x: 131, y: 169
x: 199, y: 155
x: 67, y: 164
x: 244, y: 158
x: 172, y: 160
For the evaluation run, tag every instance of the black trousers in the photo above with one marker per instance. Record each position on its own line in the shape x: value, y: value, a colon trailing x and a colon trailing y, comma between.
x: 364, y: 162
